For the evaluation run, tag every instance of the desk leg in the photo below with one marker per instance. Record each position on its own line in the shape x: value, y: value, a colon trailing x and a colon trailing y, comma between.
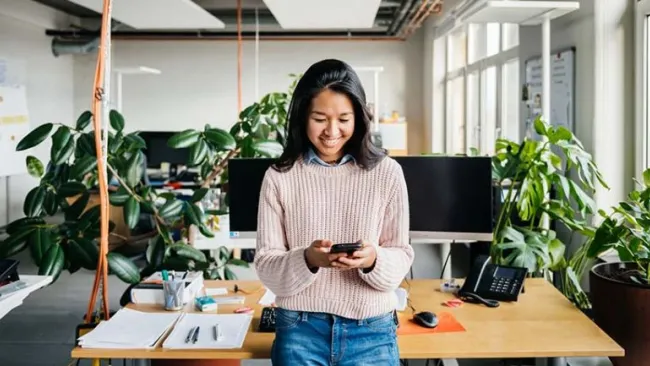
x: 445, y: 249
x: 557, y: 361
x: 140, y: 363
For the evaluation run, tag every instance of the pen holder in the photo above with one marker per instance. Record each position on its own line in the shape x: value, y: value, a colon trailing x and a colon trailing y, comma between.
x: 173, y: 295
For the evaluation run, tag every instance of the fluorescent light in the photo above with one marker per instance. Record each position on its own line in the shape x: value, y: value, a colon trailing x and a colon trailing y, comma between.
x: 158, y: 14
x: 518, y: 12
x: 319, y: 14
x: 136, y: 70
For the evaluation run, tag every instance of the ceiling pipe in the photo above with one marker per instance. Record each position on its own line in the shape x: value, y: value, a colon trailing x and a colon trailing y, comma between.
x: 74, y: 46
x: 246, y: 35
x: 434, y: 6
x: 398, y: 18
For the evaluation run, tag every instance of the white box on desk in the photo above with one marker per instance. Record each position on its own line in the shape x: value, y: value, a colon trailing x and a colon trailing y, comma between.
x: 150, y: 290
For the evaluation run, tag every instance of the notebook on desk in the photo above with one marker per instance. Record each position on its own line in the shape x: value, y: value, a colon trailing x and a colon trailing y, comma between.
x: 130, y: 329
x: 232, y: 331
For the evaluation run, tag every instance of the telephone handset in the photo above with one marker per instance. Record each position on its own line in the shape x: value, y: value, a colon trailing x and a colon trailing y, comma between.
x: 488, y: 283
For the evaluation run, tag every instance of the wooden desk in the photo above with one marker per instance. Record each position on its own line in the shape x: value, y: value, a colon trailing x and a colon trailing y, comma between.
x: 542, y: 324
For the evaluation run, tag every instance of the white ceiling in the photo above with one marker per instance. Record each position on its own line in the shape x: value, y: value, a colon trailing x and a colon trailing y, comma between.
x: 324, y: 14
x: 158, y: 14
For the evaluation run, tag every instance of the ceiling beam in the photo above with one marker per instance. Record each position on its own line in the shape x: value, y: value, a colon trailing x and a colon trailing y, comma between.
x: 35, y: 14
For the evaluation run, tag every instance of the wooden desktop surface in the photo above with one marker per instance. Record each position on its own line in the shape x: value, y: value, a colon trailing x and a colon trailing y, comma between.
x: 543, y: 323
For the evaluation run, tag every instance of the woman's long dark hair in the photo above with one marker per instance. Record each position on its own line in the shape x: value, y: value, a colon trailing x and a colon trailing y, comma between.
x: 339, y: 77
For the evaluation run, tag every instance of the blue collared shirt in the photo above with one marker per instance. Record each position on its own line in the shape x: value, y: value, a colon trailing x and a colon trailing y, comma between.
x: 312, y: 158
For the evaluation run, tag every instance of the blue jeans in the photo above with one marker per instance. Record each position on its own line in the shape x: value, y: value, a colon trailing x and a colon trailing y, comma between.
x: 318, y: 339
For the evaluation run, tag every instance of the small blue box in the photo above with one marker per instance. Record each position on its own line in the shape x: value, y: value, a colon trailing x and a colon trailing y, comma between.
x: 205, y: 303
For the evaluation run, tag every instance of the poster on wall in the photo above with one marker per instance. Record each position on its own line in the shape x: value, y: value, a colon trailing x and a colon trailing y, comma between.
x: 14, y: 125
x: 562, y: 91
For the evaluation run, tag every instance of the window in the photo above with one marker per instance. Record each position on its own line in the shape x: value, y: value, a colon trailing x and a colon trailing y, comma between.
x: 509, y: 36
x: 483, y: 41
x: 510, y: 88
x: 481, y: 83
x: 473, y: 111
x: 456, y: 116
x: 456, y: 50
x: 488, y: 109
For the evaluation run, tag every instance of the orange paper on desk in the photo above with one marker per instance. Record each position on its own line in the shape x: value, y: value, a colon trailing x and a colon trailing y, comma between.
x: 447, y: 322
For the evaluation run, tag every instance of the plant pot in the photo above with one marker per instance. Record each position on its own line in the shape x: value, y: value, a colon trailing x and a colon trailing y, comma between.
x: 620, y: 308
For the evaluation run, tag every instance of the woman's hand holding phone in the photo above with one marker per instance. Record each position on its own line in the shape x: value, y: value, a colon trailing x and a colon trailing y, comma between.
x: 363, y: 258
x: 318, y: 254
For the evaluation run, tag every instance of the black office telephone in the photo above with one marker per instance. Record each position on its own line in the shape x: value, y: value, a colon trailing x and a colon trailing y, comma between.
x: 488, y: 283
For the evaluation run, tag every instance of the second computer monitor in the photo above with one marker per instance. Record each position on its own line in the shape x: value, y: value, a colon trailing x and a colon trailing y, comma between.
x: 450, y: 197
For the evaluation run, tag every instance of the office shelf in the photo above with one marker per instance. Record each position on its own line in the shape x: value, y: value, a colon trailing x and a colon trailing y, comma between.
x: 518, y: 12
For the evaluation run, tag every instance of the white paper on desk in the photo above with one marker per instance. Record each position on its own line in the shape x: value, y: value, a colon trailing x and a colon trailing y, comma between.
x: 268, y: 298
x: 216, y: 291
x: 234, y: 328
x: 129, y: 329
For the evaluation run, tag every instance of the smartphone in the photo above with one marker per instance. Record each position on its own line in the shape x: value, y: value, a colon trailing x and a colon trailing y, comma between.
x: 345, y: 248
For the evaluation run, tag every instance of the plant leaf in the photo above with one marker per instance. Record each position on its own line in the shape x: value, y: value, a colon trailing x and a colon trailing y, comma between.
x: 33, y: 205
x: 131, y: 212
x: 268, y: 148
x: 62, y: 155
x: 184, y: 139
x: 15, y: 244
x: 134, y: 169
x: 35, y: 137
x: 116, y: 120
x: 39, y: 241
x: 83, y: 166
x: 171, y: 208
x: 198, y: 153
x: 222, y: 140
x: 199, y: 194
x: 123, y: 268
x: 238, y: 262
x: 186, y: 251
x: 156, y: 252
x: 23, y: 223
x: 83, y: 252
x: 84, y: 120
x: 52, y: 262
x: 229, y: 274
x: 34, y: 167
x: 646, y: 177
x: 71, y: 189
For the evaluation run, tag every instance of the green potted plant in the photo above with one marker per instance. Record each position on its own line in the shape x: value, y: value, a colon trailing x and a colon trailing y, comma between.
x: 620, y: 290
x: 535, y: 177
x: 67, y: 182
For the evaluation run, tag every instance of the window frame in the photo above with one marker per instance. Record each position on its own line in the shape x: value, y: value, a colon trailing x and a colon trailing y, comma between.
x: 498, y: 61
x: 642, y: 23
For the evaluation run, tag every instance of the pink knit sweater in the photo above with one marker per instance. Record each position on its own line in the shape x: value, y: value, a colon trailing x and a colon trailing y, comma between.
x: 344, y: 204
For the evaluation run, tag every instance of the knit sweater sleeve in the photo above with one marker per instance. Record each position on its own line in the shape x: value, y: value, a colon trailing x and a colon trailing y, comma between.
x: 280, y: 269
x: 394, y: 253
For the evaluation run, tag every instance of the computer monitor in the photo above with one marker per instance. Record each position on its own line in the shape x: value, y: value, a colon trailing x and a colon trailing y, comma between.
x: 450, y: 197
x: 158, y: 152
x: 245, y: 176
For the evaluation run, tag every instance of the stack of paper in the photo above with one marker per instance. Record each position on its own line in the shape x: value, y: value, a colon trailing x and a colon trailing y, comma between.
x: 232, y: 330
x: 129, y: 329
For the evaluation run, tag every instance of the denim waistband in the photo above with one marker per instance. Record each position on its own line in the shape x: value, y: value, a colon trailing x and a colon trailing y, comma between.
x: 305, y: 315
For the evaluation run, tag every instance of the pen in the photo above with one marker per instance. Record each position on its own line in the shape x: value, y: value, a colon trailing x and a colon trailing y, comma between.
x: 184, y: 274
x: 189, y: 335
x: 216, y: 332
x: 196, y: 335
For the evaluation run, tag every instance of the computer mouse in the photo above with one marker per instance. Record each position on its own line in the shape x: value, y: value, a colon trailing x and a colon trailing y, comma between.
x: 426, y: 319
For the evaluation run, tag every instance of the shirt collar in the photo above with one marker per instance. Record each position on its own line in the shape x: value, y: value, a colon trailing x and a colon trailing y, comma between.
x: 312, y: 158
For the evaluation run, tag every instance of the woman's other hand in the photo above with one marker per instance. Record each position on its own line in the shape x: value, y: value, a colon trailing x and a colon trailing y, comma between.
x: 318, y: 254
x: 363, y: 258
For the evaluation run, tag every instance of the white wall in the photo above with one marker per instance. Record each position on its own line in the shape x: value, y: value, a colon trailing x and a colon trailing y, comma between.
x: 198, y: 83
x: 48, y: 80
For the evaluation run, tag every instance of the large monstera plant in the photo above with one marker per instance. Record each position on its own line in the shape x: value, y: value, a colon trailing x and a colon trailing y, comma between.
x: 68, y: 181
x: 551, y: 178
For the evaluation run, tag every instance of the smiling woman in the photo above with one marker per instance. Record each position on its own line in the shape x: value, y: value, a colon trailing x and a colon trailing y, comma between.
x: 332, y: 185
